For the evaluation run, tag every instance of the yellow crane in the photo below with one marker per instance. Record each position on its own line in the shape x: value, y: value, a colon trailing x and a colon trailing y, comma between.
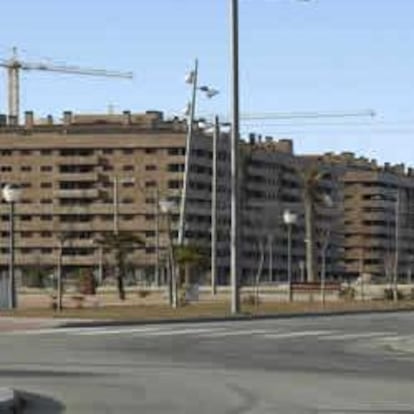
x: 14, y: 65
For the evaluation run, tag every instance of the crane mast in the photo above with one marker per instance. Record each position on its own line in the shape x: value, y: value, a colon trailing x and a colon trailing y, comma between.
x: 14, y: 65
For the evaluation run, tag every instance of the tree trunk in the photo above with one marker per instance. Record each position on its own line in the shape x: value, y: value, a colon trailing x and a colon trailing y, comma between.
x: 120, y: 275
x: 187, y: 274
x: 310, y: 241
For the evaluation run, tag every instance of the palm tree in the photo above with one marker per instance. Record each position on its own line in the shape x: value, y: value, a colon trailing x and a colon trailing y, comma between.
x: 311, y: 178
x: 122, y: 244
x: 189, y: 256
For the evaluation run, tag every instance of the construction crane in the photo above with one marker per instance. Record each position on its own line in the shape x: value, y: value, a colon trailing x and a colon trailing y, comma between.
x: 306, y: 115
x: 14, y: 65
x: 265, y: 116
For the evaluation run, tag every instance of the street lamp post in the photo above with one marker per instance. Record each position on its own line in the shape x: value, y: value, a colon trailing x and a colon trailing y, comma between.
x: 214, y: 209
x: 289, y: 219
x: 11, y: 194
x: 235, y: 118
x: 191, y: 79
x: 166, y: 207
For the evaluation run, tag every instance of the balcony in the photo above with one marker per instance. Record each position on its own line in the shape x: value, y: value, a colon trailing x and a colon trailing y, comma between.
x: 78, y: 193
x: 76, y: 177
x: 92, y: 159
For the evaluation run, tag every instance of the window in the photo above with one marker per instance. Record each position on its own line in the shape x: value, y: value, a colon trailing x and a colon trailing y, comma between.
x: 46, y: 168
x: 25, y: 201
x: 6, y: 168
x: 46, y: 201
x: 176, y: 151
x: 26, y: 168
x: 107, y: 151
x: 25, y: 185
x: 174, y: 184
x: 175, y: 167
x: 127, y: 200
x: 46, y: 250
x: 45, y: 185
x: 150, y: 167
x: 128, y: 217
x: 127, y: 151
x: 150, y: 233
x: 26, y: 250
x: 150, y: 184
x: 46, y: 234
x: 149, y: 216
x: 6, y: 153
x: 46, y: 218
x: 149, y: 249
x: 128, y: 168
x: 46, y: 152
x: 150, y: 150
x: 26, y: 218
x: 150, y: 200
x: 25, y: 152
x: 128, y: 184
x: 4, y: 234
x: 5, y: 218
x: 4, y: 250
x: 26, y: 234
x: 108, y: 168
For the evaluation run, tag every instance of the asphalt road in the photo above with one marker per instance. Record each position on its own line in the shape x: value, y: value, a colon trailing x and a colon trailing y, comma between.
x: 304, y: 365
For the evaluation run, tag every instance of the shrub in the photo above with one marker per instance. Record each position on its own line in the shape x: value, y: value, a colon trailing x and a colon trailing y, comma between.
x: 142, y: 293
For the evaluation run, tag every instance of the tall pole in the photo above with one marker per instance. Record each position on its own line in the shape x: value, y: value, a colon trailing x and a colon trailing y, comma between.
x: 59, y: 275
x: 397, y: 247
x: 234, y: 230
x: 270, y: 248
x: 184, y: 191
x: 214, y: 209
x: 100, y: 269
x: 289, y: 264
x: 115, y: 205
x: 12, y: 285
x: 157, y: 237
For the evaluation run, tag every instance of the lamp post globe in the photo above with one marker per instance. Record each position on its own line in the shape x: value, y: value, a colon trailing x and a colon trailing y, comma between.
x: 11, y: 193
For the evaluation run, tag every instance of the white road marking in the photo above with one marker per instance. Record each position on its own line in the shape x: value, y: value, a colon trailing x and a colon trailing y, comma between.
x: 239, y: 333
x: 298, y: 334
x: 173, y: 332
x: 361, y: 335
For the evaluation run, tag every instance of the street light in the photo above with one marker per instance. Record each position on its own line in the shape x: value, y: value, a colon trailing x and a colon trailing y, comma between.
x: 191, y: 79
x: 289, y: 219
x: 166, y: 207
x: 11, y: 194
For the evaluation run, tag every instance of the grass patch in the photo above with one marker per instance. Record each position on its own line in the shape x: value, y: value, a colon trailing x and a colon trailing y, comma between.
x: 203, y: 310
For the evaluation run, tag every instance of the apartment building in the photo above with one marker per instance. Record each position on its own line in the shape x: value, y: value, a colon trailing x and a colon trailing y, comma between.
x: 89, y: 174
x: 377, y: 216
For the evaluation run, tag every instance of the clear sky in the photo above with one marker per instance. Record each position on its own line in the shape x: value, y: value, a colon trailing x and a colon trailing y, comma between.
x: 321, y: 56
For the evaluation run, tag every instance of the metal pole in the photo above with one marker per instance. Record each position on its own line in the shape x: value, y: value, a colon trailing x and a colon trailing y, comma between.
x: 100, y: 270
x: 59, y: 276
x: 12, y: 287
x: 289, y: 269
x: 173, y: 278
x: 234, y: 230
x: 323, y: 273
x: 157, y: 238
x: 115, y: 205
x: 214, y: 209
x: 184, y: 191
x: 270, y: 247
x: 397, y: 247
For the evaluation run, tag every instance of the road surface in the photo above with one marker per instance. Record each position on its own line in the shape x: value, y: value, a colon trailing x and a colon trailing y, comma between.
x: 331, y: 365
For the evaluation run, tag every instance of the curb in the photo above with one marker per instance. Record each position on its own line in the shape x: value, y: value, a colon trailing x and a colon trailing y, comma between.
x: 9, y: 401
x: 109, y: 323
